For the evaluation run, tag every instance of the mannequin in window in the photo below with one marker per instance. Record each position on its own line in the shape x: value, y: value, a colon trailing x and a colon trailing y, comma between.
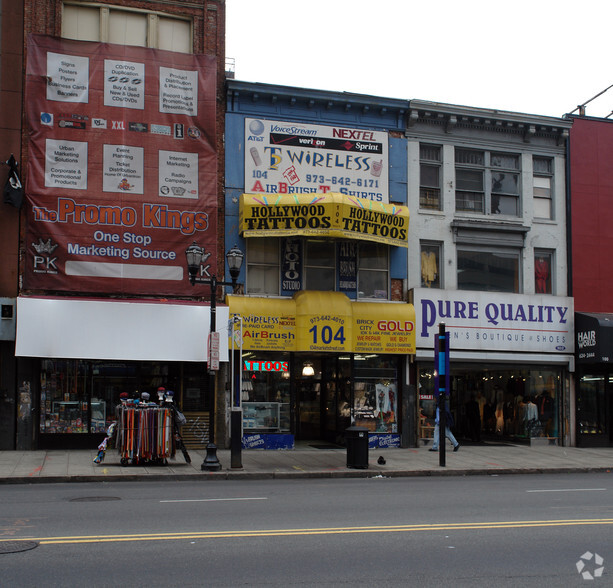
x: 428, y: 268
x: 530, y: 415
x: 545, y: 407
x: 541, y: 274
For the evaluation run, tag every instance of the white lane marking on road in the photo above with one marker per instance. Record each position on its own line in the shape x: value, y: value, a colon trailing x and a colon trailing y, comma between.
x: 571, y: 490
x: 215, y: 499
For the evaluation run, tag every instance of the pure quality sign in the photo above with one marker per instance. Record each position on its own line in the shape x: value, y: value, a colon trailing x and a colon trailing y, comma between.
x: 494, y: 321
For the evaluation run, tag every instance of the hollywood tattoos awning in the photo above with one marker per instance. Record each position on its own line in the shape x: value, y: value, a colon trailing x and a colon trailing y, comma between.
x: 324, y: 215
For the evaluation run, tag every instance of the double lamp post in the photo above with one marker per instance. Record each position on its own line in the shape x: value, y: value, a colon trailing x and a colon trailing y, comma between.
x: 195, y: 256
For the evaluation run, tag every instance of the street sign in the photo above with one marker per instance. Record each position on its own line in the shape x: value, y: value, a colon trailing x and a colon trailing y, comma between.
x: 213, y: 354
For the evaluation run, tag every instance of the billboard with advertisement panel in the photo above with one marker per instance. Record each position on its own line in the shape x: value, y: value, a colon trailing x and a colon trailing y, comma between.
x: 299, y: 158
x: 122, y: 172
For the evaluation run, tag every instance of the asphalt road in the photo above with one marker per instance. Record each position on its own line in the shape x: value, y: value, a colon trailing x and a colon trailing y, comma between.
x: 463, y: 531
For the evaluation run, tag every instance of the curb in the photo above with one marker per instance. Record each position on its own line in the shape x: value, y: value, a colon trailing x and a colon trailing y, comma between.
x: 298, y: 475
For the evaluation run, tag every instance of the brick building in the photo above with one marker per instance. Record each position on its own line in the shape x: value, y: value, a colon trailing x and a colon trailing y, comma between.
x: 591, y: 178
x: 115, y: 112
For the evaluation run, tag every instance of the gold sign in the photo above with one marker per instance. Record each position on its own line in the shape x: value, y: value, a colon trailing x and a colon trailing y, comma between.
x: 325, y: 321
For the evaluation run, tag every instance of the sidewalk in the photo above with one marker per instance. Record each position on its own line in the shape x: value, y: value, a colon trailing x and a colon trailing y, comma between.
x: 27, y: 467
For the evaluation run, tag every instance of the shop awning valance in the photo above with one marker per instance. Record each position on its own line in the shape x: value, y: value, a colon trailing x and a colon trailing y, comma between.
x: 116, y: 330
x: 325, y: 215
x: 325, y: 322
x: 594, y: 338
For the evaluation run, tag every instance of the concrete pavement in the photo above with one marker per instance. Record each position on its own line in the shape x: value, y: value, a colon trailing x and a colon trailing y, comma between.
x: 57, y: 466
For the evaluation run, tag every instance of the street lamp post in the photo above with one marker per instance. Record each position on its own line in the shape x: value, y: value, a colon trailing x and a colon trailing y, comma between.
x: 195, y: 255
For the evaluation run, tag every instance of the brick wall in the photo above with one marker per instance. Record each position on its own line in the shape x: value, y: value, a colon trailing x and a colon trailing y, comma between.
x: 11, y: 94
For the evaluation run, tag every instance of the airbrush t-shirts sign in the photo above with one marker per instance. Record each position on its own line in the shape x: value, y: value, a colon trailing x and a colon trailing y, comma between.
x: 122, y: 174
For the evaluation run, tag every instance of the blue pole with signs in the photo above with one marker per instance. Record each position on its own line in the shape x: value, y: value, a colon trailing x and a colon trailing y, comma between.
x: 442, y: 385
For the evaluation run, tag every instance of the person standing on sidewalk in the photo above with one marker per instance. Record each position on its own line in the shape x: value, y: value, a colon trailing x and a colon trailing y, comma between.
x: 448, y: 432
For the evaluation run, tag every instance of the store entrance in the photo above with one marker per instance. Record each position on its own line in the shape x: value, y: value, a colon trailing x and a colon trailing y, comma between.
x: 495, y: 404
x: 323, y: 398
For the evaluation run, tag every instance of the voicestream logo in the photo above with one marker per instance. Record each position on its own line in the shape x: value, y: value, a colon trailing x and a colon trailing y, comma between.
x: 590, y: 565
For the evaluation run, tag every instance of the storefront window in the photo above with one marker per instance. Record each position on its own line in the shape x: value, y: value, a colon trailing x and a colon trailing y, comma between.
x: 498, y: 402
x: 64, y: 406
x: 266, y: 392
x: 376, y: 393
x: 80, y: 396
x: 591, y: 405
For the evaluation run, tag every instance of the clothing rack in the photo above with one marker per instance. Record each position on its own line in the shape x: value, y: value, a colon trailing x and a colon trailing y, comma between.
x: 145, y: 434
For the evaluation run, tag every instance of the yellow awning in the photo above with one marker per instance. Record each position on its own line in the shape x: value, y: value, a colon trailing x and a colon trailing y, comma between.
x: 331, y: 215
x: 325, y: 321
x: 268, y: 323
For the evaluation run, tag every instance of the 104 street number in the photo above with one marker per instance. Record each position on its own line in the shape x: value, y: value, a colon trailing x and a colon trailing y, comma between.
x: 327, y: 335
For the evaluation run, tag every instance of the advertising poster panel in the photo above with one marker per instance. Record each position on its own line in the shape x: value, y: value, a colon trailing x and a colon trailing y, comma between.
x: 298, y: 158
x: 122, y: 173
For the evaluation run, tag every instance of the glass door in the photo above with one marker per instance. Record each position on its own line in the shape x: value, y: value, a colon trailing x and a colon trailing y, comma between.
x: 309, y: 409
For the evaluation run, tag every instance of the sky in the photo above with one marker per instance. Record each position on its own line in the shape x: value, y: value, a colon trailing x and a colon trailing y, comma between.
x: 542, y: 57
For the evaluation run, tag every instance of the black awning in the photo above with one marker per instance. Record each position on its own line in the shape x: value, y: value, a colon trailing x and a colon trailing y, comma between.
x: 594, y: 337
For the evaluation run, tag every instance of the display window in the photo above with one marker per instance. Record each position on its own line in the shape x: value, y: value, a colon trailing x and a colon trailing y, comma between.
x: 495, y: 403
x: 594, y: 409
x: 266, y: 392
x: 375, y: 401
x: 80, y: 396
x: 318, y: 396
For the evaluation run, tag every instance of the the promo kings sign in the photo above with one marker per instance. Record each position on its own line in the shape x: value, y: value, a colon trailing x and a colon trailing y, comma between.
x: 123, y: 167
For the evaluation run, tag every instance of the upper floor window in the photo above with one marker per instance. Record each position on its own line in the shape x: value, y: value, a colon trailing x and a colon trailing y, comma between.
x: 320, y: 265
x: 430, y: 177
x: 126, y: 27
x: 489, y: 271
x: 263, y: 266
x: 543, y: 265
x: 487, y: 182
x: 359, y: 269
x: 373, y: 273
x: 430, y: 265
x: 542, y: 177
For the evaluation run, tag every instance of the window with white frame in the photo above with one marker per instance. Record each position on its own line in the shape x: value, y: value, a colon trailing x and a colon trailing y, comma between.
x: 489, y: 271
x: 115, y: 24
x: 430, y: 257
x: 430, y: 177
x: 542, y: 177
x: 487, y: 182
x: 543, y: 269
x: 320, y: 265
x: 263, y: 266
x: 373, y: 272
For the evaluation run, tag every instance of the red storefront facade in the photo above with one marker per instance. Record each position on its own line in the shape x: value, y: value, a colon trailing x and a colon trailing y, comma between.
x: 591, y: 214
